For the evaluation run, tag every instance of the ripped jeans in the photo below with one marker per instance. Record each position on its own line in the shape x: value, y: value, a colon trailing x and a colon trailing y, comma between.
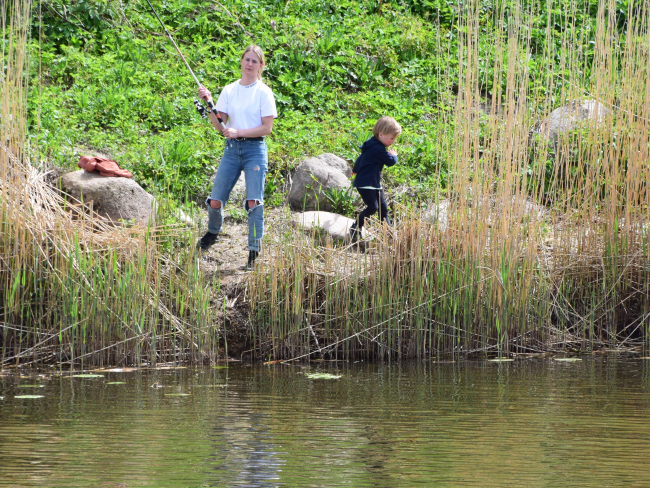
x: 250, y: 157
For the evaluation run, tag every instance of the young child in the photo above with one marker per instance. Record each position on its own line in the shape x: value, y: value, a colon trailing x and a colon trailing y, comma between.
x: 374, y: 156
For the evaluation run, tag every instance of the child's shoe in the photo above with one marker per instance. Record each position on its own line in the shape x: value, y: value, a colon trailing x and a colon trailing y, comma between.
x: 355, y: 233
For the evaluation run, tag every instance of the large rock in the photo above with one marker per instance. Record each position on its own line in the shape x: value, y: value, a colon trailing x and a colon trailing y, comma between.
x: 570, y: 117
x: 313, y: 177
x: 114, y: 198
x: 335, y: 225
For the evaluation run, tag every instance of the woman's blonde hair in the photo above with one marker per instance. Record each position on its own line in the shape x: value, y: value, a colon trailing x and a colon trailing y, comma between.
x: 386, y: 125
x: 260, y: 54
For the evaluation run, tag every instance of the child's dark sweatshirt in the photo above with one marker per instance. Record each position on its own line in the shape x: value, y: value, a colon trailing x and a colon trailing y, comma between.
x: 369, y: 164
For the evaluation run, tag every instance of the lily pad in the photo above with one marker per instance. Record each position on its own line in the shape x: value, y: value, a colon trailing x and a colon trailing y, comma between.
x: 29, y: 396
x: 31, y: 386
x: 116, y: 383
x: 501, y: 360
x: 87, y: 375
x: 568, y: 360
x: 322, y: 376
x: 177, y: 394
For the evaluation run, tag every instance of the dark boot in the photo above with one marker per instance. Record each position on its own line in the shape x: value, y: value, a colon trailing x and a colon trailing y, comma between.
x: 206, y: 241
x: 355, y: 233
x: 252, y: 256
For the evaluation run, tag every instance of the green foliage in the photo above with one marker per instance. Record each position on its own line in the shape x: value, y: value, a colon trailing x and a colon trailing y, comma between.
x: 106, y: 78
x: 343, y: 200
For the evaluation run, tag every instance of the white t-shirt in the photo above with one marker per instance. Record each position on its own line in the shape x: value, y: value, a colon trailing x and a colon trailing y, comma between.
x: 246, y: 105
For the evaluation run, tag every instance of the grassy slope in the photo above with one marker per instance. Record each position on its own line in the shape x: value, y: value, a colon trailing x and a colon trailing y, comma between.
x: 116, y: 85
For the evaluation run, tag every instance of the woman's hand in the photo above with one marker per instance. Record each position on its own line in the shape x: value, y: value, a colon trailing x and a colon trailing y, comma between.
x: 230, y: 133
x: 204, y: 93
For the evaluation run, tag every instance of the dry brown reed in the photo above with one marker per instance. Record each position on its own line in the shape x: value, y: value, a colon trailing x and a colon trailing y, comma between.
x: 541, y: 243
x: 75, y: 289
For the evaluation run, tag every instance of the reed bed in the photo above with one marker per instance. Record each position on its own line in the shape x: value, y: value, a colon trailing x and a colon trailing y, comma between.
x: 539, y: 243
x: 75, y: 289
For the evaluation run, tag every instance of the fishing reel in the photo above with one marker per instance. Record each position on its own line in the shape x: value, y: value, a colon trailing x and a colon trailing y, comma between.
x: 203, y: 112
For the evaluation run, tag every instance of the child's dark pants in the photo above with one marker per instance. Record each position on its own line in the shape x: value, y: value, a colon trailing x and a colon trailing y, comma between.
x: 374, y: 199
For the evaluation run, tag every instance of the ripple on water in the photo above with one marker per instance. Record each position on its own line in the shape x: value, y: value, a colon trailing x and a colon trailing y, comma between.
x: 521, y: 423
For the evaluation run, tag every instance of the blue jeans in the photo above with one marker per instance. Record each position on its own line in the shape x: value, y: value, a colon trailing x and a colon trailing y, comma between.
x: 250, y: 157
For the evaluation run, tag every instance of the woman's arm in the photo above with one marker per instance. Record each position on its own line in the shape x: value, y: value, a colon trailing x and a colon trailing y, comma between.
x: 205, y: 94
x: 259, y: 131
x: 215, y: 121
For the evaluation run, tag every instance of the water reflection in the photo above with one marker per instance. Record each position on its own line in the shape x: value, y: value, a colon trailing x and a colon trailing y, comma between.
x: 531, y: 423
x: 245, y: 452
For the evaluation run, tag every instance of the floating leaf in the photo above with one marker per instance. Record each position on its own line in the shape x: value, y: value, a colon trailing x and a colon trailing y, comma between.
x: 31, y: 386
x: 177, y: 394
x: 29, y: 396
x: 87, y: 375
x: 322, y: 376
x: 116, y: 383
x: 501, y: 360
x: 568, y: 360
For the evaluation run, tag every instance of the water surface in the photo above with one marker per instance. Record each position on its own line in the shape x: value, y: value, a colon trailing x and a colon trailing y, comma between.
x: 531, y: 422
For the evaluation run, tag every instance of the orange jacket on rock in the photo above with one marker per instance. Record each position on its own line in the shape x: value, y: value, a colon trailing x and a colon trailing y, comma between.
x: 103, y: 166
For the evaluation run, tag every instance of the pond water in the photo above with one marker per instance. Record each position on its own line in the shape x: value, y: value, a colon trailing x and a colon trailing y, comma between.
x: 530, y: 422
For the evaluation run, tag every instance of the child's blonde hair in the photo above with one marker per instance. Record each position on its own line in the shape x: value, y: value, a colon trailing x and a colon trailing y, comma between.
x: 260, y: 54
x: 386, y: 125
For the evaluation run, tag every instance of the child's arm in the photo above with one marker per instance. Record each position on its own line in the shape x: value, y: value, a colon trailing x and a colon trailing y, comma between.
x: 389, y: 158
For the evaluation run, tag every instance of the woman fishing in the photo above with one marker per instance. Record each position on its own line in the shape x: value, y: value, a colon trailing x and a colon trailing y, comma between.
x: 247, y: 107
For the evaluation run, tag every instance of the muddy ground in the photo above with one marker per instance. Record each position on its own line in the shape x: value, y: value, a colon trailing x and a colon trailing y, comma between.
x: 226, y: 262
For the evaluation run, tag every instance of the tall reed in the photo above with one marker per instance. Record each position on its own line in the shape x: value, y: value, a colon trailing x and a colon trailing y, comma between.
x: 544, y: 241
x: 73, y: 288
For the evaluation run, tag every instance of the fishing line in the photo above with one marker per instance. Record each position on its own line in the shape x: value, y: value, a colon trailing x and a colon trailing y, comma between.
x: 199, y: 106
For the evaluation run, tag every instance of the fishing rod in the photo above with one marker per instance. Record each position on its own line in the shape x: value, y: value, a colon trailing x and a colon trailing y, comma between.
x: 199, y: 106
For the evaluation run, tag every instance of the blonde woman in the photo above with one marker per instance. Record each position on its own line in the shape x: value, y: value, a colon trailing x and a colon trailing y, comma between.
x: 247, y: 106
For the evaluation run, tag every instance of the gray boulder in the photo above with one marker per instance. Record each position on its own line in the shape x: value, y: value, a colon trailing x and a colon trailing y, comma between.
x: 438, y: 214
x: 313, y: 177
x: 114, y: 198
x: 570, y: 117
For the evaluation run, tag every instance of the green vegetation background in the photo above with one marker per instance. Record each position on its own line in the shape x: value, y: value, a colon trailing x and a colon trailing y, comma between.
x: 104, y: 77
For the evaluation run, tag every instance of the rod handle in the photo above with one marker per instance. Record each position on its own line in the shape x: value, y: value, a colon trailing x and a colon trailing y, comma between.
x: 214, y: 109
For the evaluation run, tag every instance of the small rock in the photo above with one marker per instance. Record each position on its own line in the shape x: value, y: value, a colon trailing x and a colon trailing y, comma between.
x: 335, y: 225
x: 183, y: 217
